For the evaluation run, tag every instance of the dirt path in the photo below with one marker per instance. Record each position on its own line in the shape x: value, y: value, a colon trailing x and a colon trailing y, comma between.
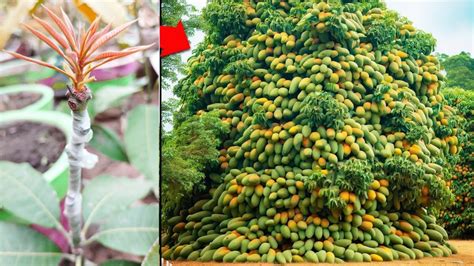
x: 465, y: 256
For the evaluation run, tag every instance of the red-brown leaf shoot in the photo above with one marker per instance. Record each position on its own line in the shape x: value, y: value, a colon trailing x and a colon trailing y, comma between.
x: 78, y: 49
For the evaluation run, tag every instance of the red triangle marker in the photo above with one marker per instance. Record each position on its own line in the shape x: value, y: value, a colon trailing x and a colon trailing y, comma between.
x: 173, y: 39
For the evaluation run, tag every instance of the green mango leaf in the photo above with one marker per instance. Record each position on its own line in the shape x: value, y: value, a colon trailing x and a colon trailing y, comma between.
x: 26, y: 194
x: 108, y: 142
x: 132, y: 231
x: 7, y: 216
x: 142, y: 140
x: 105, y: 195
x: 108, y: 97
x: 21, y: 245
x: 120, y: 263
x: 156, y: 187
x: 153, y: 256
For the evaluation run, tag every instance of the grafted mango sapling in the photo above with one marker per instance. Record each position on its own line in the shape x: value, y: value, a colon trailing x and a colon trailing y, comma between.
x: 79, y: 49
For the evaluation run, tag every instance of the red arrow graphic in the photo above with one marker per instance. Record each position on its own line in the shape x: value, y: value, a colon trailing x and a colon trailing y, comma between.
x: 173, y: 39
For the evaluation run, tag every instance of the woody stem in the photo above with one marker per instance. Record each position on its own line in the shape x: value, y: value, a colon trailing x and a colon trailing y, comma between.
x: 78, y: 159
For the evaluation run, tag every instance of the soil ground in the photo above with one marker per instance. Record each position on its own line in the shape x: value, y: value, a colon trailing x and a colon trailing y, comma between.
x: 465, y: 256
x: 38, y: 144
x: 14, y: 101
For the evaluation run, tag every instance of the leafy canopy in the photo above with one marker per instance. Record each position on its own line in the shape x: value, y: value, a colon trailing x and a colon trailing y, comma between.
x: 172, y: 11
x: 459, y: 69
x: 187, y: 154
x: 320, y: 108
x: 224, y: 18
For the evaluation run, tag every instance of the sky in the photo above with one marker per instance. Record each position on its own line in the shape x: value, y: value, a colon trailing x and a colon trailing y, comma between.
x: 450, y: 21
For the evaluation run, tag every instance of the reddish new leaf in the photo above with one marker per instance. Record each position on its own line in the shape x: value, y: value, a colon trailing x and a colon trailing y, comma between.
x: 107, y: 37
x: 78, y: 53
x: 96, y: 36
x: 39, y: 62
x: 45, y: 39
x: 90, y: 32
x: 52, y: 32
x: 62, y: 26
x: 118, y: 54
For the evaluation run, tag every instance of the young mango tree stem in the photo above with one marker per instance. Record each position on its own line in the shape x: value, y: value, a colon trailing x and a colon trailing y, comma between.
x: 79, y: 158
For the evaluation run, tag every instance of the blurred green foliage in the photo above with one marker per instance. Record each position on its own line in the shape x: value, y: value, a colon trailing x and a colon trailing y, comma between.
x: 459, y: 69
x: 188, y: 153
x: 172, y: 11
x: 458, y: 219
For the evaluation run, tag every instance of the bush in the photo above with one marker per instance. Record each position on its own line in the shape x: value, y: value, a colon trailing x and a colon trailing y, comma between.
x: 458, y: 219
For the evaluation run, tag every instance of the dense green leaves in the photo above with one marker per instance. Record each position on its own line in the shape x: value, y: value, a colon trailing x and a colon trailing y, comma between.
x: 133, y: 231
x: 458, y: 218
x: 241, y: 69
x: 188, y: 93
x: 462, y: 99
x: 400, y: 119
x: 223, y: 18
x: 20, y: 245
x: 352, y: 175
x: 173, y: 11
x: 186, y: 154
x: 364, y: 5
x: 25, y: 193
x: 387, y: 32
x: 407, y: 179
x: 459, y: 69
x: 422, y: 43
x: 323, y: 109
x: 274, y: 20
x: 415, y: 133
x: 168, y: 108
x: 171, y: 66
x: 355, y: 175
x: 382, y: 32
